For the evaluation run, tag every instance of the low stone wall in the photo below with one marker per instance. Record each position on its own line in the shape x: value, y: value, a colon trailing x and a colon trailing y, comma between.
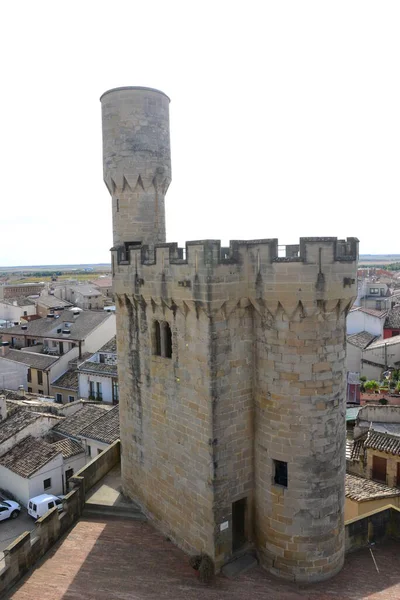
x: 376, y: 526
x: 22, y: 554
x: 91, y: 473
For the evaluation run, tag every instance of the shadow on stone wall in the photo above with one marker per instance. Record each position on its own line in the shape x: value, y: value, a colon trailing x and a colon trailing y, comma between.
x: 377, y: 526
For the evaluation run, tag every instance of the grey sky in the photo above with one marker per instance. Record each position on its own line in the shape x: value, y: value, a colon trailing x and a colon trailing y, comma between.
x: 285, y: 120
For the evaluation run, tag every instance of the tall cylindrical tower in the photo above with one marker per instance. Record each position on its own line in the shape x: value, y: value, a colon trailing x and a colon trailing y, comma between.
x: 300, y: 405
x: 136, y: 162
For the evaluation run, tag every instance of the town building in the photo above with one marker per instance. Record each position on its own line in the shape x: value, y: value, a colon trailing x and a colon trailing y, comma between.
x: 84, y: 296
x: 98, y: 376
x: 85, y: 331
x: 40, y: 369
x: 30, y: 468
x: 365, y: 495
x: 20, y: 423
x: 391, y: 326
x: 231, y: 368
x: 102, y: 432
x: 48, y: 303
x: 374, y: 294
x: 13, y: 310
x: 65, y: 388
x: 362, y: 319
x: 18, y: 290
x: 371, y: 356
x: 104, y: 285
x: 73, y: 426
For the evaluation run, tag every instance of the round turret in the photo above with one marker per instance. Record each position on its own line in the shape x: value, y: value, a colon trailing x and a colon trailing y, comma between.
x: 136, y: 162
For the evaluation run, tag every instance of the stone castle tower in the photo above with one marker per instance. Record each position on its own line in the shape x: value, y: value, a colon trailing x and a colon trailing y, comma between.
x: 231, y: 368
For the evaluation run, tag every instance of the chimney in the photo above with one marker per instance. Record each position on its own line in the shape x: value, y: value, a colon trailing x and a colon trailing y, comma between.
x: 3, y: 408
x: 4, y: 348
x: 21, y: 391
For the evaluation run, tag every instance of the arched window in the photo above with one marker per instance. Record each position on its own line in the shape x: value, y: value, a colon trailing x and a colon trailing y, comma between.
x: 156, y: 338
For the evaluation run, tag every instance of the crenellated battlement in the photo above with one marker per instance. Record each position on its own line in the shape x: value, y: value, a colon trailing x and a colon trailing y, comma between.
x: 210, y: 252
x: 315, y: 270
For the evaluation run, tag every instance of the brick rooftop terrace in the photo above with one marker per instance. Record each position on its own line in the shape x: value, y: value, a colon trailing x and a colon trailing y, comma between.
x: 106, y: 559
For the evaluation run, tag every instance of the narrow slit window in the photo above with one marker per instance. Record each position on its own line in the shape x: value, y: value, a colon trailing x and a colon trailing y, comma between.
x: 167, y: 341
x: 280, y: 473
x: 157, y: 338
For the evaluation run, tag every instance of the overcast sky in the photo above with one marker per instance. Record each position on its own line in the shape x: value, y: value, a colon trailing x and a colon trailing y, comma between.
x: 285, y: 120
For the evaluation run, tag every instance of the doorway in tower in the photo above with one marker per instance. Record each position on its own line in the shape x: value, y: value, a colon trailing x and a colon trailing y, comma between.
x: 239, y: 509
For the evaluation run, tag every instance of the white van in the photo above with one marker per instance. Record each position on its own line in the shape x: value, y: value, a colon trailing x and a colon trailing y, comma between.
x: 39, y: 505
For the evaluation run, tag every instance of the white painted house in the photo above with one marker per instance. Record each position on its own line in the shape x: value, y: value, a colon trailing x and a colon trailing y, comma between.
x: 370, y: 356
x: 98, y: 436
x: 366, y: 319
x: 98, y: 376
x: 31, y: 468
x: 13, y: 309
x: 21, y: 423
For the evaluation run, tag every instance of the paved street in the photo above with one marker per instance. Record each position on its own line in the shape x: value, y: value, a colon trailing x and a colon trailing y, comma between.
x: 113, y: 559
x: 12, y: 528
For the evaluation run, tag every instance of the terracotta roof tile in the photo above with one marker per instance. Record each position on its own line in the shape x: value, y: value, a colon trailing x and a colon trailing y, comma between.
x: 105, y: 429
x: 73, y: 425
x: 362, y: 339
x: 16, y: 422
x: 69, y: 447
x: 28, y: 456
x: 360, y: 489
x: 383, y: 442
x: 68, y: 381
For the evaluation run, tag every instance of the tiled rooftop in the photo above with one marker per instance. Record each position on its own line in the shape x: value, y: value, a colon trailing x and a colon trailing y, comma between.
x: 360, y: 489
x: 85, y: 290
x: 102, y: 282
x: 387, y: 342
x: 383, y: 442
x: 28, y: 456
x: 21, y: 301
x: 105, y: 429
x: 99, y: 368
x: 68, y: 381
x: 69, y: 447
x: 370, y: 311
x: 51, y: 301
x: 80, y: 327
x: 354, y: 448
x: 390, y: 428
x: 362, y: 339
x: 111, y: 346
x: 393, y: 318
x: 73, y: 425
x: 16, y: 422
x: 34, y: 360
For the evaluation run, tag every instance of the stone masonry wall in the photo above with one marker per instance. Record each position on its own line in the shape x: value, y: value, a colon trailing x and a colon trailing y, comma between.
x: 300, y: 420
x: 136, y: 162
x: 248, y: 334
x: 166, y: 431
x: 233, y: 415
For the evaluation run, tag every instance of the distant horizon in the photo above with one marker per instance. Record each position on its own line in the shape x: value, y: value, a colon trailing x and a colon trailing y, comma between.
x: 105, y: 264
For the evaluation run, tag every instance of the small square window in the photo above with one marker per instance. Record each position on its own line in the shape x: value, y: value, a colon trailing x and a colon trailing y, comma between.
x: 47, y: 483
x: 71, y: 398
x: 280, y: 473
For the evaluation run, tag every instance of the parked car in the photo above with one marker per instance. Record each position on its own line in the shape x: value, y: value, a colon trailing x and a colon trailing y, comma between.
x: 9, y: 509
x: 39, y: 505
